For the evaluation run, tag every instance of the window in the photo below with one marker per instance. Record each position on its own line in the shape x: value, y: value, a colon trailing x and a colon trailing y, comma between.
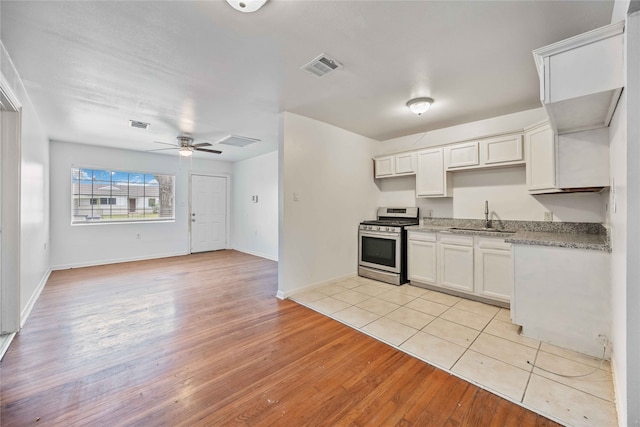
x: 100, y: 195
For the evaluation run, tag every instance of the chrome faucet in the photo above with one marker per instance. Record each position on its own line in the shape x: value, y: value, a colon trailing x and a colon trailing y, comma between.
x: 487, y: 223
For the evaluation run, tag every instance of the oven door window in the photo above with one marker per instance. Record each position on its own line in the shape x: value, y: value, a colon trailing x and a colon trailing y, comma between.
x: 380, y: 251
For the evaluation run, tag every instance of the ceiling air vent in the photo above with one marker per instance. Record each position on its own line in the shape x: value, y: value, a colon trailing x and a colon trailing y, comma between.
x: 139, y: 125
x: 238, y: 141
x: 322, y: 65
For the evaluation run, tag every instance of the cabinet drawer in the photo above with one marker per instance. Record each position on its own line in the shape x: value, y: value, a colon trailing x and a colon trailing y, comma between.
x: 450, y: 239
x: 499, y: 244
x: 422, y: 237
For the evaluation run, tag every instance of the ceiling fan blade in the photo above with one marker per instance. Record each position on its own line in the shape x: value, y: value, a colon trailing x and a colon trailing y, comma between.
x: 207, y: 151
x: 162, y: 149
x: 201, y: 144
x: 164, y: 143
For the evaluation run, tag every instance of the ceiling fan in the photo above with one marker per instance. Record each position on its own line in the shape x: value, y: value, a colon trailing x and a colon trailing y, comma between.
x: 186, y: 147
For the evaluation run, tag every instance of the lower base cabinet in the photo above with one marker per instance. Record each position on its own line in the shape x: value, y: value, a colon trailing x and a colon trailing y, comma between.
x: 493, y: 269
x: 468, y: 265
x: 455, y: 255
x: 422, y: 257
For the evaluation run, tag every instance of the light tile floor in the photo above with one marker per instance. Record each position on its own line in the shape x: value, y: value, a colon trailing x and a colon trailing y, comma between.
x: 476, y: 342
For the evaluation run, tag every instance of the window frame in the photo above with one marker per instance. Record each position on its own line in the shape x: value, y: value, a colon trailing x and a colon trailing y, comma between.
x: 95, y: 200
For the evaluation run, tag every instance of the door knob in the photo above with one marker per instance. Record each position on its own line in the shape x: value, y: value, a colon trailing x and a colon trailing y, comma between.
x: 193, y: 220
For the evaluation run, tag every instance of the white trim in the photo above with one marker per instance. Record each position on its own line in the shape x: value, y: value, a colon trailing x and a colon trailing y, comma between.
x: 256, y: 253
x: 34, y: 297
x: 5, y: 342
x: 116, y: 261
x: 286, y: 294
x: 577, y: 41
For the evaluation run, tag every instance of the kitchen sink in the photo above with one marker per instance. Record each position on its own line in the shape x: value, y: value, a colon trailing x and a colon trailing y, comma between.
x: 490, y: 230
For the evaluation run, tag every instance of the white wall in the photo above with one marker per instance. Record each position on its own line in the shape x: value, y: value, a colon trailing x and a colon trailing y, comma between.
x: 504, y: 188
x: 82, y: 245
x: 34, y: 193
x: 255, y: 225
x: 331, y: 172
x: 495, y: 125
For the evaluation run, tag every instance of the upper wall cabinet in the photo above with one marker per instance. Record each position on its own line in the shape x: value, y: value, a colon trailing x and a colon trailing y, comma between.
x: 573, y: 162
x: 486, y: 153
x: 581, y: 79
x: 395, y: 165
x: 431, y: 177
x: 462, y: 155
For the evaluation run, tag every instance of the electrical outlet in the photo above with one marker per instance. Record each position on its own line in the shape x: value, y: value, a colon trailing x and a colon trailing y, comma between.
x: 138, y: 236
x: 296, y: 197
x: 45, y: 246
x: 548, y: 216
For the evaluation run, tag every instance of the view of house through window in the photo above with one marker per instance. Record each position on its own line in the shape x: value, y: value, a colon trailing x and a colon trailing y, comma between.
x: 100, y: 195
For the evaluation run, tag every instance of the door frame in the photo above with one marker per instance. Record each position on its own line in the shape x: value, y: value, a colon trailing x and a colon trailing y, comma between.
x: 10, y: 158
x: 227, y: 212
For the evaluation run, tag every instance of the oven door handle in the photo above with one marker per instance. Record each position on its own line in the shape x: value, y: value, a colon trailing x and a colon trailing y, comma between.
x: 379, y: 234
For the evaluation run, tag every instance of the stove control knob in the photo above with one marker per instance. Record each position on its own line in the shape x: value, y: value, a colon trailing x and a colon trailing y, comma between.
x: 389, y: 229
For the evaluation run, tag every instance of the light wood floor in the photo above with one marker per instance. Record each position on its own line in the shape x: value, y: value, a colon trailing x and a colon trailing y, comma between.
x: 201, y: 340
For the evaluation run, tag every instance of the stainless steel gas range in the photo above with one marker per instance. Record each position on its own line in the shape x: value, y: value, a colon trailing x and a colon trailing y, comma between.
x: 382, y: 245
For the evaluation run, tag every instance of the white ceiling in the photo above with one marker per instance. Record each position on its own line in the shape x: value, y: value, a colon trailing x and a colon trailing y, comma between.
x: 204, y: 68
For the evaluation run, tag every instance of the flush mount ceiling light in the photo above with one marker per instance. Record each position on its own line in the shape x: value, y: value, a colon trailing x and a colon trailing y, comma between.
x: 246, y: 5
x: 185, y: 152
x: 419, y: 105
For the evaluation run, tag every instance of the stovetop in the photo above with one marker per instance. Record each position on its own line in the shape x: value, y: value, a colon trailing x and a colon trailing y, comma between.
x: 391, y: 222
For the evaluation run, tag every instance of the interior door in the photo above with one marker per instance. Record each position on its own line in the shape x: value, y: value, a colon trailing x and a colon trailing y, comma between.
x: 208, y: 213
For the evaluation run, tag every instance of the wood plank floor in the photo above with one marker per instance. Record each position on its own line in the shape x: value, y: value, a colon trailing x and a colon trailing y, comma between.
x: 201, y: 340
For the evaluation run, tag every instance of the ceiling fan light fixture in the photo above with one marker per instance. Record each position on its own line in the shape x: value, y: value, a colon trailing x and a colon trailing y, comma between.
x: 246, y: 5
x: 419, y: 105
x: 185, y: 152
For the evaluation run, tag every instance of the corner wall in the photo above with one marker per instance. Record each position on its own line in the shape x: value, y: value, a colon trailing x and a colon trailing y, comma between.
x: 34, y: 193
x: 94, y: 244
x: 255, y: 223
x: 326, y: 190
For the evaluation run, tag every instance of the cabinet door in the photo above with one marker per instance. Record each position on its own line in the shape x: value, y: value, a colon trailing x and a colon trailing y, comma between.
x: 422, y: 261
x: 540, y: 152
x: 494, y: 278
x: 405, y: 164
x: 456, y: 266
x: 431, y: 179
x: 462, y: 155
x: 504, y: 150
x: 384, y: 166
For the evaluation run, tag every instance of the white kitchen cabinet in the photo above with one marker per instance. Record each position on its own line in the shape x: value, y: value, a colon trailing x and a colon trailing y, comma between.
x: 562, y: 296
x: 581, y: 78
x: 493, y: 268
x: 405, y: 164
x: 422, y: 257
x: 540, y: 154
x: 577, y: 161
x: 502, y: 151
x: 395, y: 165
x: 384, y: 166
x: 455, y: 255
x: 462, y: 155
x: 431, y: 177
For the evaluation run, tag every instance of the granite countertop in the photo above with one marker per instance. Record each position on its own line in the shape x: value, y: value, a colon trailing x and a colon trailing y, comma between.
x: 589, y: 236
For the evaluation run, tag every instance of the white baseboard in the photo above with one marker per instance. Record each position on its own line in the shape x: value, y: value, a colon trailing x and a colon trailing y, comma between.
x: 5, y: 341
x: 286, y: 294
x: 256, y: 253
x: 34, y: 297
x: 115, y: 261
